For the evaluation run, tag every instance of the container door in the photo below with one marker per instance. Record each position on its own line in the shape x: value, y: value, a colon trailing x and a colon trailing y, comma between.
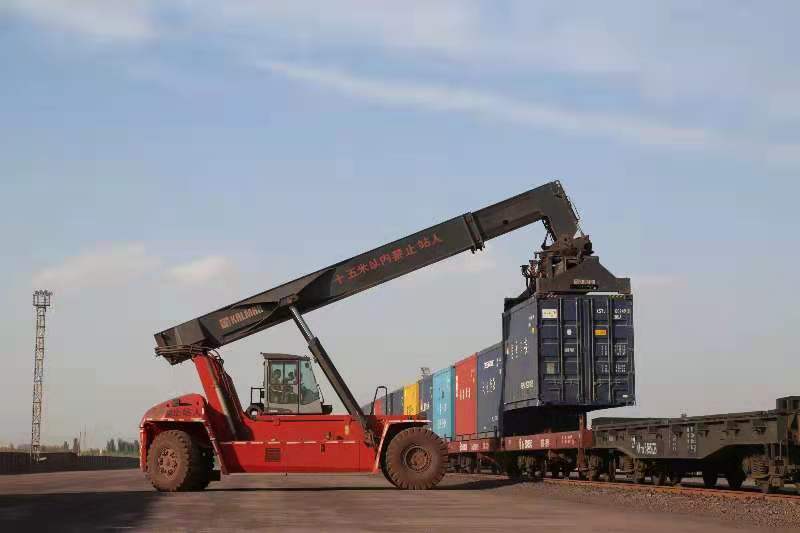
x: 520, y: 334
x: 558, y: 350
x: 609, y: 350
x: 466, y: 396
x: 490, y: 373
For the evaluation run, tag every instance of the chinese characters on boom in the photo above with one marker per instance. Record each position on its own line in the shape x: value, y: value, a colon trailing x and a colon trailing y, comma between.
x: 396, y: 255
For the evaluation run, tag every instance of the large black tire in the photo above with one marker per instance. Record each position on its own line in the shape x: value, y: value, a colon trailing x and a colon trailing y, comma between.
x: 416, y: 459
x: 175, y: 463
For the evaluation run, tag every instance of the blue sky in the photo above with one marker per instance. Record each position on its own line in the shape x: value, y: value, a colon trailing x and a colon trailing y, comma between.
x: 160, y: 159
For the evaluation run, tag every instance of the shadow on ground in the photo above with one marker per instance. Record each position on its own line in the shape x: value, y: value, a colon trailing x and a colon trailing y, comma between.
x: 84, y: 511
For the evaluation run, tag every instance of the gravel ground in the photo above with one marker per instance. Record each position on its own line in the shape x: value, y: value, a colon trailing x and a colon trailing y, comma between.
x: 758, y: 511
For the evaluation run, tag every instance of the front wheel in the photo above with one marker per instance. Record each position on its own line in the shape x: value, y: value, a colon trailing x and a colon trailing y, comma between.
x: 175, y: 462
x: 416, y: 459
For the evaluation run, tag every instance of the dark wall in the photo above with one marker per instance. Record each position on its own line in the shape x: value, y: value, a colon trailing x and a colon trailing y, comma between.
x: 20, y: 462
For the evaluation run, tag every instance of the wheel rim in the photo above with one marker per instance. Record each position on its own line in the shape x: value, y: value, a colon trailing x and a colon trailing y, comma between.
x: 416, y: 458
x: 167, y: 462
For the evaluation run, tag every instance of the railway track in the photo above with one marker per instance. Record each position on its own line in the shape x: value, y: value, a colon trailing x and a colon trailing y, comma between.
x: 753, y: 494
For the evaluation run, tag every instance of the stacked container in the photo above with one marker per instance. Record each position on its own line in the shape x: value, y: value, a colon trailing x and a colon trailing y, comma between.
x: 411, y: 399
x: 466, y: 404
x: 442, y: 403
x: 490, y: 376
x: 397, y: 401
x: 426, y: 397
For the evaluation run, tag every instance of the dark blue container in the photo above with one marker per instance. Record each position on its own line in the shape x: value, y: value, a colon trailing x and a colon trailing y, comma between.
x: 426, y: 397
x: 396, y: 399
x: 490, y: 375
x: 570, y: 350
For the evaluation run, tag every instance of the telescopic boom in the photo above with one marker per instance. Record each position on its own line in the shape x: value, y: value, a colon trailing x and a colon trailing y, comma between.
x: 548, y: 203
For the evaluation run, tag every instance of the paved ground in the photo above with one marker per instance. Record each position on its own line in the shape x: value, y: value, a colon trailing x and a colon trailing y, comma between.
x: 121, y: 499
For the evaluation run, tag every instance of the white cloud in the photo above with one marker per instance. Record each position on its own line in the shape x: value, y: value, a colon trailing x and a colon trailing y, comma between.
x: 105, y: 266
x: 204, y: 270
x: 490, y: 105
x: 128, y: 20
x: 738, y: 57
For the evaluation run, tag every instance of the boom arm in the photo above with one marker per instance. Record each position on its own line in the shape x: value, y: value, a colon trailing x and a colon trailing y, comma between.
x: 548, y: 203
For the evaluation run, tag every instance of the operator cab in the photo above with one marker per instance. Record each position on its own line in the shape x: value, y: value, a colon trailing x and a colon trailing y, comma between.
x: 290, y: 388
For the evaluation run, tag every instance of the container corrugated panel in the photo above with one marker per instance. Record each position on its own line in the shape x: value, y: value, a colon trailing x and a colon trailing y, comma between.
x: 426, y: 396
x: 411, y: 399
x: 397, y: 401
x: 570, y: 350
x: 466, y: 404
x: 490, y: 375
x: 442, y: 404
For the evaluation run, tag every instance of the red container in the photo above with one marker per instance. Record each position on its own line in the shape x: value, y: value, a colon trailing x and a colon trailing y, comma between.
x: 466, y: 396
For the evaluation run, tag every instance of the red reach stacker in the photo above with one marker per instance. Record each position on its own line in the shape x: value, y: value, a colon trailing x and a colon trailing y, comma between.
x: 287, y: 426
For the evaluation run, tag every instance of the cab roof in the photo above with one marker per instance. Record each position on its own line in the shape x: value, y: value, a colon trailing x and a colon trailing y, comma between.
x: 284, y: 357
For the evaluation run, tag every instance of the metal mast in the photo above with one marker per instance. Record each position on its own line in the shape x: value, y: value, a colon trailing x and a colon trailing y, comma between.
x: 41, y: 301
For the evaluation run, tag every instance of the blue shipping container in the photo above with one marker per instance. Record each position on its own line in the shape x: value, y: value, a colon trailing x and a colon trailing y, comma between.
x: 443, y: 402
x: 490, y: 375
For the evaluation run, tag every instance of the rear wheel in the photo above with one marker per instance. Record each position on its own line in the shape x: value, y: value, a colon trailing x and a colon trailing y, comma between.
x: 415, y: 459
x: 175, y: 462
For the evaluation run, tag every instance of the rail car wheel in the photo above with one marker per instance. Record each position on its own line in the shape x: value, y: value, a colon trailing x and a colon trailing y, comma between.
x: 735, y: 478
x: 416, y: 459
x: 766, y: 487
x: 639, y: 472
x: 612, y: 469
x: 175, y: 462
x: 710, y: 478
x: 674, y: 478
x: 594, y: 468
x: 659, y: 478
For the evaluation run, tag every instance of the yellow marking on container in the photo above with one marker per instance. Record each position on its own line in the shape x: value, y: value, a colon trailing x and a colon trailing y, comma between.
x: 411, y: 399
x: 601, y: 332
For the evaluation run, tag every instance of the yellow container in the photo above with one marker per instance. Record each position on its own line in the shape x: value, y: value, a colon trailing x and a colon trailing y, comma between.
x: 411, y: 399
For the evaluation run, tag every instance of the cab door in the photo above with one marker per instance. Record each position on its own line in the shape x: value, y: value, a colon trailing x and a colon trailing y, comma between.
x: 282, y: 394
